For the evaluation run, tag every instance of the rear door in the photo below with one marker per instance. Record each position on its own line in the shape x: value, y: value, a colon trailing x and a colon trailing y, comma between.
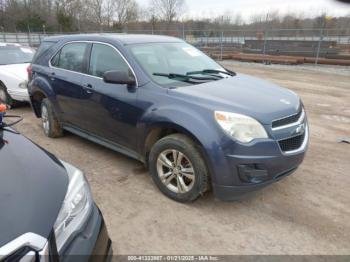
x: 110, y: 109
x: 67, y: 68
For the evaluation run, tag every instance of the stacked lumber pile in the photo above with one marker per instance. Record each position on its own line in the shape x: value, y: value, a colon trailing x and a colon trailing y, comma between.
x: 279, y: 59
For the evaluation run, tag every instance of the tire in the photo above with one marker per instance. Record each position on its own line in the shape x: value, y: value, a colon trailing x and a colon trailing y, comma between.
x: 175, y: 179
x: 50, y: 123
x: 4, y: 96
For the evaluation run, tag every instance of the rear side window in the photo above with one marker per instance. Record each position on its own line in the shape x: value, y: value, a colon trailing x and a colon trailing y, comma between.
x: 71, y: 57
x: 41, y: 50
x: 105, y: 58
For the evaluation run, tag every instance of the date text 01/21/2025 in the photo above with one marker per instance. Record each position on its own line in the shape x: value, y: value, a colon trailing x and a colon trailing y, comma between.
x: 173, y: 258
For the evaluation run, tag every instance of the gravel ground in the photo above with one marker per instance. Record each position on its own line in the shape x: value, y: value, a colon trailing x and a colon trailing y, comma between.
x: 306, y: 213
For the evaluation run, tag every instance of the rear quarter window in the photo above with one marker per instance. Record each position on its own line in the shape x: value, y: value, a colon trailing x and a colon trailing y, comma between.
x: 43, y: 48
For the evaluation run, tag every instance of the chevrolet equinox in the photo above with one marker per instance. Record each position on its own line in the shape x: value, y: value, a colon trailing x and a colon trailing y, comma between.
x: 195, y: 124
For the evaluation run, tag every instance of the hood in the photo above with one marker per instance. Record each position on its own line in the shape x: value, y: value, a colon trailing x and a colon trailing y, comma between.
x: 244, y: 94
x: 17, y: 70
x: 33, y: 184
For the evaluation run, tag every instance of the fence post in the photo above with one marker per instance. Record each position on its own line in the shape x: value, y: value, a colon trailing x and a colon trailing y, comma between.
x: 207, y: 39
x: 266, y: 35
x: 319, y: 46
x: 183, y: 32
x: 221, y: 45
x: 265, y: 42
x: 3, y: 33
x: 29, y: 37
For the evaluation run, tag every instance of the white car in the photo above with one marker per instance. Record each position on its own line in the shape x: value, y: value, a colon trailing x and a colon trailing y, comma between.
x: 14, y: 61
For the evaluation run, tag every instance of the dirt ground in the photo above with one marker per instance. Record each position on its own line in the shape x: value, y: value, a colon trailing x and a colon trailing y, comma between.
x: 306, y: 213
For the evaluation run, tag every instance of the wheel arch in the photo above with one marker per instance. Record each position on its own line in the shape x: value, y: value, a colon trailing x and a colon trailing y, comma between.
x: 36, y: 99
x: 162, y: 129
x: 39, y: 89
x: 2, y: 83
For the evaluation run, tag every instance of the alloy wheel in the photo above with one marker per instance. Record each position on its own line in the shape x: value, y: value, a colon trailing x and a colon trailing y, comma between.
x: 45, y: 119
x: 175, y: 171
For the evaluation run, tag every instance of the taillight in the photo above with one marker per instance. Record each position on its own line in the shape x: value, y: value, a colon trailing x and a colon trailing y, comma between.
x: 29, y: 71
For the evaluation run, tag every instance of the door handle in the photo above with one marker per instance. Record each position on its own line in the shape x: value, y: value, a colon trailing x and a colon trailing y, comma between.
x: 88, y: 88
x: 52, y: 76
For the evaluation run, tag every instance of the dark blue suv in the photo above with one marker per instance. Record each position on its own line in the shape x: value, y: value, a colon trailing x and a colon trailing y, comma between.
x: 160, y: 100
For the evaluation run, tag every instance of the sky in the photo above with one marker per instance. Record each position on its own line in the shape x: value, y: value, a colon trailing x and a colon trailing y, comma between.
x: 246, y: 8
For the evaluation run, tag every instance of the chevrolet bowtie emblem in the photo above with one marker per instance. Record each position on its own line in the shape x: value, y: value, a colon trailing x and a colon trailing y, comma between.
x: 300, y: 129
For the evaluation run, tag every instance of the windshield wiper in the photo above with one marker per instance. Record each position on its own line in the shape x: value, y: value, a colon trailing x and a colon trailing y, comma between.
x: 212, y: 71
x: 186, y: 78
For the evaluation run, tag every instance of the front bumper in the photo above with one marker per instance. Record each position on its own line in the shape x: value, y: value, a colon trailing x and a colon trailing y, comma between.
x: 227, y: 193
x: 241, y: 169
x: 91, y: 244
x: 19, y: 94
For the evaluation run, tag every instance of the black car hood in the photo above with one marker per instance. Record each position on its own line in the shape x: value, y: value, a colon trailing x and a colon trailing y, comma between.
x: 244, y: 94
x: 33, y: 184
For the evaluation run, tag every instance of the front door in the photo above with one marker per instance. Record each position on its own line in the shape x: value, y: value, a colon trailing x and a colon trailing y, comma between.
x: 110, y: 108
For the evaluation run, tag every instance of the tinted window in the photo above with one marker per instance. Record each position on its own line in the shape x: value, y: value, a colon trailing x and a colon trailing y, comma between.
x: 42, y: 49
x: 71, y: 57
x: 105, y: 58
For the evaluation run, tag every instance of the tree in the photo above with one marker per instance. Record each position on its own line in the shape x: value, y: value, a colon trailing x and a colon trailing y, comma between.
x: 96, y: 7
x: 125, y: 11
x: 109, y: 9
x: 167, y: 10
x: 64, y: 21
x: 33, y: 22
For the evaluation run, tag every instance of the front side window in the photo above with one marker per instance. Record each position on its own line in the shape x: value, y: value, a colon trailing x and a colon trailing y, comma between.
x: 105, y: 58
x: 71, y: 57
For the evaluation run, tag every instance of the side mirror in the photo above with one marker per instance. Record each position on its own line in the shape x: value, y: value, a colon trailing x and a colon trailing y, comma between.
x: 118, y: 77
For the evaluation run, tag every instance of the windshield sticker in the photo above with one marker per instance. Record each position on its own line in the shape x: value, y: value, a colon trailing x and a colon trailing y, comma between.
x: 191, y: 51
x: 26, y: 50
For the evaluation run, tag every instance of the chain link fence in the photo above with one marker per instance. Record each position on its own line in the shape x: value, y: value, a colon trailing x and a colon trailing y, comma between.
x: 316, y: 44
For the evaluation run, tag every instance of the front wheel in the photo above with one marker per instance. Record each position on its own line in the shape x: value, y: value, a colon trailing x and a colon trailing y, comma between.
x: 178, y: 169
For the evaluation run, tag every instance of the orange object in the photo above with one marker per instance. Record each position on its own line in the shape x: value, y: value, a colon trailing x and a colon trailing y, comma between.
x: 3, y: 108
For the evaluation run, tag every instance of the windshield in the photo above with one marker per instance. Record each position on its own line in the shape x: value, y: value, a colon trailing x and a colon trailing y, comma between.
x: 176, y: 64
x: 15, y: 55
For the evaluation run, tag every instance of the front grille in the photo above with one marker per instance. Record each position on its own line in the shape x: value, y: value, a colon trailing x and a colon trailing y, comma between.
x: 292, y: 143
x: 287, y: 120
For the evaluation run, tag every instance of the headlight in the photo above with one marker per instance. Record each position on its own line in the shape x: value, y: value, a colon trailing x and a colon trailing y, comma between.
x: 23, y: 85
x: 76, y: 206
x: 240, y: 127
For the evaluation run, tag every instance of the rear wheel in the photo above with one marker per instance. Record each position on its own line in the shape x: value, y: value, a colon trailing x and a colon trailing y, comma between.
x: 178, y: 169
x: 50, y: 123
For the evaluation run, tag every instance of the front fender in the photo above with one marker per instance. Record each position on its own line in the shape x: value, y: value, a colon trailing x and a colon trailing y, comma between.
x: 199, y: 124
